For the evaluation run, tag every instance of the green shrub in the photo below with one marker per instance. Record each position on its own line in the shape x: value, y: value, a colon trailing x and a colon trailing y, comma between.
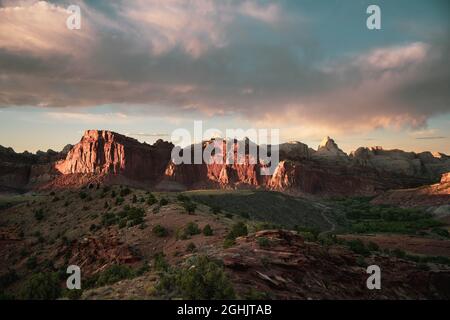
x: 183, y: 198
x: 237, y: 230
x: 228, y: 243
x: 39, y: 214
x: 192, y: 229
x: 31, y: 263
x: 190, y: 207
x: 311, y: 233
x: 73, y: 294
x: 191, y: 247
x: 159, y: 262
x: 367, y: 218
x: 253, y: 294
x: 156, y: 209
x: 124, y: 192
x: 441, y: 232
x: 263, y: 242
x: 160, y: 231
x: 201, y: 279
x: 130, y: 216
x: 151, y: 200
x: 358, y: 247
x: 135, y: 215
x: 41, y: 286
x: 215, y: 210
x: 134, y: 200
x: 207, y: 231
x: 163, y: 202
x: 82, y: 195
x: 268, y: 226
x: 108, y: 219
x: 114, y: 274
x: 119, y: 201
x: 189, y: 230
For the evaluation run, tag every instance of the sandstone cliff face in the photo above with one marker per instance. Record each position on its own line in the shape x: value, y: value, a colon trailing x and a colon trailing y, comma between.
x: 423, y: 164
x: 105, y: 152
x: 327, y: 171
x: 17, y: 170
x: 295, y: 151
x: 215, y: 173
x: 445, y: 178
x: 108, y: 157
x: 333, y: 179
x: 425, y: 196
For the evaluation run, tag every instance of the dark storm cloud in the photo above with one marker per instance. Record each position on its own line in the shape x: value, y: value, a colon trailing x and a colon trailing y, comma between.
x: 250, y: 59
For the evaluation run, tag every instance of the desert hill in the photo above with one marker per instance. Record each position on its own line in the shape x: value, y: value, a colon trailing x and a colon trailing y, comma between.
x: 133, y: 244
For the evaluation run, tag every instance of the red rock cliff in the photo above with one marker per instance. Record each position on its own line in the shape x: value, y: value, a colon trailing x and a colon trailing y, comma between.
x: 106, y: 152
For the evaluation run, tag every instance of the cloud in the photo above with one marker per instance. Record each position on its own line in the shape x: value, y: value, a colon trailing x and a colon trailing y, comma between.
x: 252, y: 60
x: 431, y: 138
x: 38, y: 28
x: 270, y: 13
x: 147, y: 135
x: 396, y: 57
x: 89, y: 118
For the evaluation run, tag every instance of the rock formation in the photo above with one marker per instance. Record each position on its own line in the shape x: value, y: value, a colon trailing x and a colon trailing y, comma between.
x: 425, y: 196
x: 329, y: 149
x: 105, y: 152
x: 18, y: 169
x: 108, y: 157
x: 295, y: 151
x: 423, y: 164
x: 290, y: 268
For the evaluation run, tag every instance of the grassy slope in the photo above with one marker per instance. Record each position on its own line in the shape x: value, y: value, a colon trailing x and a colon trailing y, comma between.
x: 272, y: 207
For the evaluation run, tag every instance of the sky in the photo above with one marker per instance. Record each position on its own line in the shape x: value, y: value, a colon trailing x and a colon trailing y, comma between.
x: 145, y: 68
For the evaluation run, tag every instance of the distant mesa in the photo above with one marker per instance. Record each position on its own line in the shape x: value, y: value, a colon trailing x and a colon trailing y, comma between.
x: 103, y: 156
x: 329, y: 148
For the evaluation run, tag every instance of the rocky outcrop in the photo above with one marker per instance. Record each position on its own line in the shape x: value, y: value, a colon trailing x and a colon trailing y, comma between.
x: 216, y: 172
x: 328, y: 171
x: 283, y: 264
x: 425, y: 196
x: 423, y: 164
x: 106, y: 152
x: 95, y: 254
x: 17, y: 170
x: 334, y: 179
x: 328, y: 149
x: 295, y: 151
